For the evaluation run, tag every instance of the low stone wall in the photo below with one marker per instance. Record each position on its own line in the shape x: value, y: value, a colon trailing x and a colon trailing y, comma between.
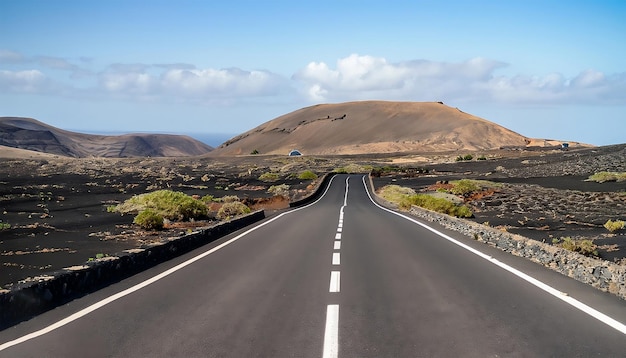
x: 43, y: 293
x: 321, y: 186
x: 603, y: 275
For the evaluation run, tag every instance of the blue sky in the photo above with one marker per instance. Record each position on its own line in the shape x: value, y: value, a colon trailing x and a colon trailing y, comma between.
x: 546, y: 69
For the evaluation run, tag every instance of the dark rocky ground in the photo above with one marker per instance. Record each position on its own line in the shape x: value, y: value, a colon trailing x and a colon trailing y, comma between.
x: 57, y: 208
x: 543, y: 196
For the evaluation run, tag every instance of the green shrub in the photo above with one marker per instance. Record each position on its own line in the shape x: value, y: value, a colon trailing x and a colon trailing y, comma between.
x: 353, y: 168
x: 461, y: 158
x: 269, y: 177
x: 307, y: 175
x: 602, y: 177
x: 406, y: 197
x: 231, y: 209
x: 169, y: 204
x: 464, y: 187
x: 440, y: 205
x: 149, y: 220
x: 279, y: 190
x: 584, y: 247
x: 378, y: 171
x: 613, y: 226
x: 228, y: 199
x: 397, y: 194
x: 207, y: 199
x: 4, y: 226
x: 482, y: 157
x: 254, y: 152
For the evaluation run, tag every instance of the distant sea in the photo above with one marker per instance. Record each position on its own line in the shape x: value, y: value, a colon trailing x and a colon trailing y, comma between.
x: 212, y: 139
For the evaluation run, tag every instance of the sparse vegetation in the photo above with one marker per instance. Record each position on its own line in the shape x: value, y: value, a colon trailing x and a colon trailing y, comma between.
x: 207, y: 199
x: 269, y: 177
x: 397, y: 194
x: 584, y: 247
x: 464, y: 187
x: 279, y: 190
x: 149, y: 220
x: 169, y: 204
x: 307, y: 175
x: 353, y: 168
x: 4, y: 226
x: 406, y: 197
x: 231, y: 209
x: 388, y: 169
x: 613, y: 226
x: 440, y: 205
x: 254, y: 152
x: 466, y: 157
x: 228, y: 199
x: 602, y: 177
x: 99, y: 256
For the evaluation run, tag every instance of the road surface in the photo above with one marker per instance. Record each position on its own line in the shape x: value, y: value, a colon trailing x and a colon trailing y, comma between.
x: 341, y: 277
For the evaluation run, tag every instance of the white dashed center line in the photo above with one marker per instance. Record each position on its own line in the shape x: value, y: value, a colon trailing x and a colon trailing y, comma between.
x: 331, y: 332
x: 331, y: 335
x: 335, y: 281
x: 336, y: 258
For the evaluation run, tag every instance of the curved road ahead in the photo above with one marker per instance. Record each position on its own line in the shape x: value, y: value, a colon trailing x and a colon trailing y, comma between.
x: 339, y: 278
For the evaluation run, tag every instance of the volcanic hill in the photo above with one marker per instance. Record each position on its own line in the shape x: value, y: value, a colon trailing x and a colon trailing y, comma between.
x: 375, y: 127
x: 32, y: 135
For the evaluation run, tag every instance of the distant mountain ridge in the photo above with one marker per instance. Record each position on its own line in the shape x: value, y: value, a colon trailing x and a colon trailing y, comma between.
x: 33, y: 135
x: 376, y: 127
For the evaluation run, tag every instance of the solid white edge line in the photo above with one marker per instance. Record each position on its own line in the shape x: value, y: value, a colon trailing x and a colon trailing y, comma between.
x: 345, y: 198
x: 543, y: 286
x: 335, y: 282
x: 151, y: 280
x: 331, y: 332
x: 336, y: 258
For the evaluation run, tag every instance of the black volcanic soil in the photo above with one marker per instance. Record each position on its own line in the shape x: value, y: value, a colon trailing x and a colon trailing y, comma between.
x: 543, y: 196
x: 57, y: 208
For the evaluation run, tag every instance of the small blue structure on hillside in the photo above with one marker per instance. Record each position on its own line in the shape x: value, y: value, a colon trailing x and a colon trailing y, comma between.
x: 295, y: 153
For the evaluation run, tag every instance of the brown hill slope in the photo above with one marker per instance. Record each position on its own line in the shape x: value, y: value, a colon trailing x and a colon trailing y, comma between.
x: 30, y: 134
x: 373, y: 127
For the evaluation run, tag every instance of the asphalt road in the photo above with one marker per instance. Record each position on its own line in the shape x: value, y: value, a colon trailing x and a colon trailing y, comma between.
x: 339, y: 278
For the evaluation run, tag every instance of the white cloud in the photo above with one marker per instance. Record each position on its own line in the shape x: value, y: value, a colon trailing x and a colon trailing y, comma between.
x: 354, y: 77
x: 7, y: 56
x: 29, y: 81
x: 366, y: 77
x: 188, y: 83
